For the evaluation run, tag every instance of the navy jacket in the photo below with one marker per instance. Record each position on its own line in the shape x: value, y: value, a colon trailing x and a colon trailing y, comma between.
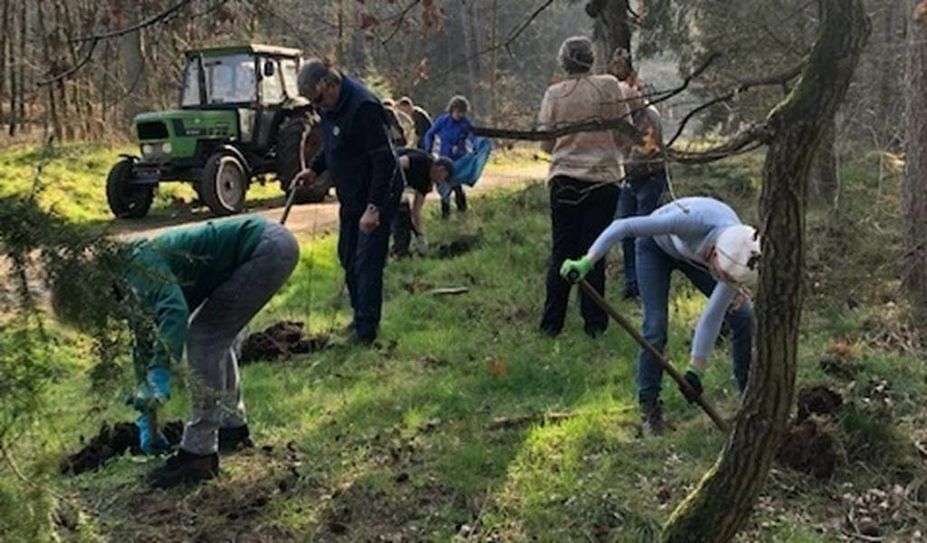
x: 357, y: 151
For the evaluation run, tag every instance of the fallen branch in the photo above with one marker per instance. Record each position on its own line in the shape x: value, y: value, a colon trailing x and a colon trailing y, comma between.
x: 451, y: 291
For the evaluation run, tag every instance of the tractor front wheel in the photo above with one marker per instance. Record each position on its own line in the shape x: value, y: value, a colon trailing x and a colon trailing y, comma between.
x: 224, y: 184
x: 126, y: 199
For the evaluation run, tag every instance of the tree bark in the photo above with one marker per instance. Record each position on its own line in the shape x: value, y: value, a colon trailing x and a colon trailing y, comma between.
x: 721, y: 504
x: 133, y: 65
x: 4, y: 42
x: 824, y: 180
x: 610, y: 29
x: 914, y: 191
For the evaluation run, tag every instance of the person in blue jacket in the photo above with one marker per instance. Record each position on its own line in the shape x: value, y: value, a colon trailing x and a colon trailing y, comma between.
x: 452, y: 136
x: 368, y: 181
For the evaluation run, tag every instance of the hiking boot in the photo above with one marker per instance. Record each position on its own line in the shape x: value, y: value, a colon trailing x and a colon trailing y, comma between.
x: 233, y: 439
x: 184, y: 467
x: 651, y: 417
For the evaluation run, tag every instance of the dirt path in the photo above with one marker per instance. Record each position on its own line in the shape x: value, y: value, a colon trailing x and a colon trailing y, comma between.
x: 310, y: 218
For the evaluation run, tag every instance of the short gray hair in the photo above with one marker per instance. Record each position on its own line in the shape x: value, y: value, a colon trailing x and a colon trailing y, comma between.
x: 576, y: 55
x: 312, y: 72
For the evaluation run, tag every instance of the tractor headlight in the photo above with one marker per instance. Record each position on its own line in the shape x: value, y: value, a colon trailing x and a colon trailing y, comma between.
x: 166, y: 148
x: 147, y: 149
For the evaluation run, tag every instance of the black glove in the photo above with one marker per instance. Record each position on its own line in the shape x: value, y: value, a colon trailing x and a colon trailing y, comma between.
x: 695, y: 383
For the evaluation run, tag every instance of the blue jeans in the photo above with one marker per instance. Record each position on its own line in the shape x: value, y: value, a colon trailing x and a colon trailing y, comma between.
x: 639, y: 197
x: 363, y: 257
x: 654, y: 268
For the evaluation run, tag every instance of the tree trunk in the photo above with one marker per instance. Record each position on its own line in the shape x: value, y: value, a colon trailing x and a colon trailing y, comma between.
x: 133, y: 65
x: 5, y: 39
x: 470, y: 49
x: 914, y: 190
x: 721, y: 504
x: 23, y: 32
x: 610, y: 29
x: 824, y: 180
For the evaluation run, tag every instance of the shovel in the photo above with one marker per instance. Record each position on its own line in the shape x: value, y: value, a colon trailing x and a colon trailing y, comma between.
x: 663, y: 362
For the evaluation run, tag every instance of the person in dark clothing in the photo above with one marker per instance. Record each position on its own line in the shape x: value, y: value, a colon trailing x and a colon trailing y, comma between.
x: 422, y: 171
x: 368, y: 183
x: 420, y: 117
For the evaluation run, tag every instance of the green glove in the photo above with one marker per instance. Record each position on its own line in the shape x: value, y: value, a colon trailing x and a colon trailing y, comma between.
x: 574, y: 270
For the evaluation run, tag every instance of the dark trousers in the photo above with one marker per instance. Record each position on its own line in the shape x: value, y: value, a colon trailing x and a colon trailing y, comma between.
x: 402, y: 230
x: 639, y: 197
x: 460, y: 200
x: 363, y: 257
x: 577, y: 218
x: 655, y: 268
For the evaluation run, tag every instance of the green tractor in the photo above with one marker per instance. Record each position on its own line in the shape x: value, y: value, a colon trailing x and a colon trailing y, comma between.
x: 240, y: 119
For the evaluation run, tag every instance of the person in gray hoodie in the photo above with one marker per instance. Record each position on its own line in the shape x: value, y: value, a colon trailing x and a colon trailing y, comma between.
x: 705, y: 240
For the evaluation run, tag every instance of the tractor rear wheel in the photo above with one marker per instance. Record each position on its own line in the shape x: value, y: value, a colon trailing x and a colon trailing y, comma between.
x: 224, y: 184
x: 291, y: 138
x: 126, y: 199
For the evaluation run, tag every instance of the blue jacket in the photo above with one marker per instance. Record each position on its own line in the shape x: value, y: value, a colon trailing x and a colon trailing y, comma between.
x: 357, y: 152
x: 452, y: 134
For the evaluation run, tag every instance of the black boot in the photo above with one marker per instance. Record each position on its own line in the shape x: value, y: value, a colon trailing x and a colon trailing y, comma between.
x: 233, y: 439
x: 445, y: 209
x: 184, y: 467
x: 651, y: 417
x: 460, y: 198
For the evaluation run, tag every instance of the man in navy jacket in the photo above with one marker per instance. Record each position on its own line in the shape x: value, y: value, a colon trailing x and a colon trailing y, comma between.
x: 358, y: 155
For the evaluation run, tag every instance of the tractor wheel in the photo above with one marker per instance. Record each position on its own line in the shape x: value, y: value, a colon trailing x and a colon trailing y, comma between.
x: 127, y: 200
x: 224, y: 184
x: 289, y: 141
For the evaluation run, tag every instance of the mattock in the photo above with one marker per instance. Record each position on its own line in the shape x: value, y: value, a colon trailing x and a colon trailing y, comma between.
x: 657, y: 355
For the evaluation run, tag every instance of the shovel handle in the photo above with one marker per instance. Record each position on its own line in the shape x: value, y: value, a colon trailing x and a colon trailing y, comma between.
x: 657, y: 355
x: 289, y: 205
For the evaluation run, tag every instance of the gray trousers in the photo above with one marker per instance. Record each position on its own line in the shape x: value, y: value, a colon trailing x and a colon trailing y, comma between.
x: 214, y: 378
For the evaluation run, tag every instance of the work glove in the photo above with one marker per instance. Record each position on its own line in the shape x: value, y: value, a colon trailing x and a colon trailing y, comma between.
x: 695, y: 381
x: 574, y: 270
x: 154, y: 391
x: 420, y: 244
x: 151, y: 439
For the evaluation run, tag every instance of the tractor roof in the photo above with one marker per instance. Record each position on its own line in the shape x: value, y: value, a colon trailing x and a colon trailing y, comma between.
x: 252, y: 48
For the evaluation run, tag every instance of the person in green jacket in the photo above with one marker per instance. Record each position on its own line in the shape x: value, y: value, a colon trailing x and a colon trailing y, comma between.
x: 194, y: 287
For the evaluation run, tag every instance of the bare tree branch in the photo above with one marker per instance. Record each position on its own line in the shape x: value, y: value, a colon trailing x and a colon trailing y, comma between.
x: 743, y: 86
x: 399, y: 20
x: 509, y: 40
x: 154, y: 19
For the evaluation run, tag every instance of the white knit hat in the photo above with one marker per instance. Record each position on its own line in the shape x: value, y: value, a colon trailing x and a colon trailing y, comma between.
x: 738, y: 249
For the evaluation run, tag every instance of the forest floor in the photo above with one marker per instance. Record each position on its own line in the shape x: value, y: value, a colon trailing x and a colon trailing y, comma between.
x: 463, y: 423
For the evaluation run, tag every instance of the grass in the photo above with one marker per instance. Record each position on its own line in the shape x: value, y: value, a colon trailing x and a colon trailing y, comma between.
x: 398, y: 442
x: 71, y: 180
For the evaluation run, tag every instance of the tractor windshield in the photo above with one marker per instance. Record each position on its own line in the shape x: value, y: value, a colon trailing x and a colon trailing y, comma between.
x: 229, y: 80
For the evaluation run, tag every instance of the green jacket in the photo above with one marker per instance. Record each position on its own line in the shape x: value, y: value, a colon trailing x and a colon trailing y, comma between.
x: 171, y: 275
